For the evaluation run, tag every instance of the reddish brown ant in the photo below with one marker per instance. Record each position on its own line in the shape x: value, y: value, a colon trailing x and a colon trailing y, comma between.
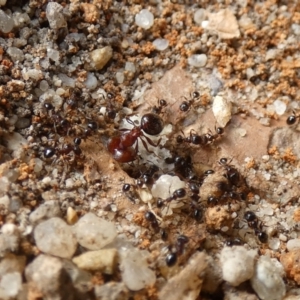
x: 122, y: 146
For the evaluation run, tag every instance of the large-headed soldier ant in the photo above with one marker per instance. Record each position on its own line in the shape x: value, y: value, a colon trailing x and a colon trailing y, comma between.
x: 121, y: 146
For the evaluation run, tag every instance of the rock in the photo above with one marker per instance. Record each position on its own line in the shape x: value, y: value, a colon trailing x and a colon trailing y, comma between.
x: 232, y: 293
x: 186, y: 285
x: 11, y: 284
x: 47, y: 275
x: 213, y: 276
x: 224, y: 23
x: 12, y: 263
x: 100, y: 57
x: 6, y: 22
x: 197, y: 60
x: 144, y: 19
x: 160, y: 44
x: 222, y: 110
x: 111, y: 291
x: 293, y: 244
x: 9, y: 239
x: 93, y: 232
x: 101, y: 260
x: 72, y: 216
x: 45, y: 211
x: 91, y: 12
x: 267, y: 279
x: 15, y: 54
x: 54, y: 14
x: 237, y: 264
x: 291, y: 264
x: 135, y: 270
x: 55, y: 237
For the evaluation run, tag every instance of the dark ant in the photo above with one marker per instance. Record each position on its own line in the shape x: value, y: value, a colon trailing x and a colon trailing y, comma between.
x: 129, y: 194
x: 253, y: 223
x: 186, y: 105
x: 150, y: 217
x: 121, y: 146
x: 161, y: 105
x: 232, y: 173
x: 179, y: 193
x: 111, y: 112
x: 233, y: 242
x: 147, y: 176
x: 291, y: 120
x: 171, y: 258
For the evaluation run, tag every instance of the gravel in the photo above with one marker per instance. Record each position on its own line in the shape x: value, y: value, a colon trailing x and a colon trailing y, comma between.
x: 72, y: 70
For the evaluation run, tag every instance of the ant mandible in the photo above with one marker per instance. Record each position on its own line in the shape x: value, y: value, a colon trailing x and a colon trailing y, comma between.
x: 121, y: 146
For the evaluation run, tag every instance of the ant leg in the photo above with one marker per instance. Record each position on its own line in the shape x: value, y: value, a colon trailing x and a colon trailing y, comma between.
x: 151, y: 142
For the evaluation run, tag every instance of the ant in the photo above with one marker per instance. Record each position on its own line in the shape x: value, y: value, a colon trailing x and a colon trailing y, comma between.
x: 147, y: 176
x: 179, y: 193
x: 127, y: 190
x: 161, y: 105
x: 233, y: 242
x: 121, y: 146
x: 253, y: 223
x: 291, y: 120
x: 171, y: 258
x: 150, y: 217
x: 232, y: 173
x: 186, y: 105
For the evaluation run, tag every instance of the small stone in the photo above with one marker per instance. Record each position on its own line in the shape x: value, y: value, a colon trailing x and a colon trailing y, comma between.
x: 12, y: 263
x: 15, y: 54
x: 237, y: 264
x: 200, y: 15
x: 144, y: 19
x: 271, y: 54
x: 290, y: 262
x: 280, y: 107
x: 93, y: 232
x: 45, y: 211
x: 293, y: 244
x: 165, y: 185
x: 100, y: 57
x: 44, y: 86
x: 130, y: 66
x: 91, y: 12
x: 120, y: 77
x: 9, y: 239
x: 111, y: 291
x: 55, y: 16
x: 197, y: 60
x: 188, y: 282
x: 101, y: 260
x: 72, y: 216
x: 47, y: 275
x: 15, y: 85
x: 267, y: 279
x: 224, y: 23
x: 161, y: 44
x: 11, y: 284
x: 6, y: 22
x: 135, y: 270
x: 91, y: 81
x: 55, y: 237
x: 222, y: 110
x: 66, y: 80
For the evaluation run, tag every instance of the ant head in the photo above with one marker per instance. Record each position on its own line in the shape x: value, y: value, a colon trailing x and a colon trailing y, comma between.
x: 152, y: 124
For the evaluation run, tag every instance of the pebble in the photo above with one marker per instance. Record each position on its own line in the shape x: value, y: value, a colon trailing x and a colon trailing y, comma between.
x: 280, y: 107
x: 12, y: 263
x: 55, y: 237
x: 135, y: 270
x: 111, y: 291
x: 144, y: 19
x: 100, y: 57
x: 93, y: 232
x: 2, y: 2
x: 187, y: 283
x: 101, y: 260
x: 72, y: 216
x: 237, y: 264
x: 161, y: 44
x: 9, y: 239
x: 199, y: 16
x: 267, y: 280
x: 15, y: 54
x: 55, y: 16
x: 11, y: 284
x: 47, y: 276
x: 6, y: 22
x: 293, y: 244
x: 197, y: 60
x: 45, y: 211
x: 222, y: 110
x: 91, y: 81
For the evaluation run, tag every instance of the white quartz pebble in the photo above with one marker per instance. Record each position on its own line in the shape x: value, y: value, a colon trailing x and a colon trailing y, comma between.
x: 237, y: 264
x: 55, y: 16
x: 197, y: 60
x: 222, y: 110
x: 144, y: 19
x: 293, y: 244
x: 267, y: 280
x: 93, y: 232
